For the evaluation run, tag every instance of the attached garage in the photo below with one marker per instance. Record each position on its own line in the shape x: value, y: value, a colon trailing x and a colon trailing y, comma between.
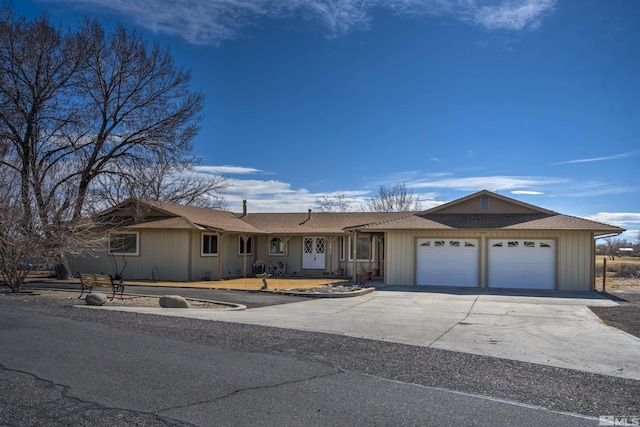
x: 447, y: 262
x: 522, y: 264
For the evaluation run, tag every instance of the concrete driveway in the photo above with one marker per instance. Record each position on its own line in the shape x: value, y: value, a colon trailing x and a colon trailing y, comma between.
x: 547, y: 328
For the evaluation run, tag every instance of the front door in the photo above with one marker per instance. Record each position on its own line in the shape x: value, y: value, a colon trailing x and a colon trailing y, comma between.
x: 313, y: 253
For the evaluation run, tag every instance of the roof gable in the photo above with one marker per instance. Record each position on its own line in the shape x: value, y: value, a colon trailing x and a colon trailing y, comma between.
x: 152, y: 214
x: 486, y: 202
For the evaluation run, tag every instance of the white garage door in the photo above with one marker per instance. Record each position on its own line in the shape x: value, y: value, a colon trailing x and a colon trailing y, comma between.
x: 447, y: 262
x: 522, y: 264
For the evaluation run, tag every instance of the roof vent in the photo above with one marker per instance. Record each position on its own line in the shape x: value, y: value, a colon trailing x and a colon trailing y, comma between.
x: 244, y: 208
x: 309, y: 217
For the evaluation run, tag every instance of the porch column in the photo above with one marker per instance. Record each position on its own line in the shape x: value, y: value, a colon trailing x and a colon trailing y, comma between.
x: 370, y: 251
x: 220, y: 245
x: 245, y: 244
x: 354, y: 255
x: 332, y: 239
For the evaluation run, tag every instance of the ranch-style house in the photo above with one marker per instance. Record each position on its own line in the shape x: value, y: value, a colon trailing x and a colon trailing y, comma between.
x: 484, y: 240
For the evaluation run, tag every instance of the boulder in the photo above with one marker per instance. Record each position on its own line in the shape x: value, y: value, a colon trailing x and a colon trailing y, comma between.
x: 173, y: 301
x: 95, y: 298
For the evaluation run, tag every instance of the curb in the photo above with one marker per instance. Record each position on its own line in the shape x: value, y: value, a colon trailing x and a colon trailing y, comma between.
x: 321, y: 294
x: 231, y: 306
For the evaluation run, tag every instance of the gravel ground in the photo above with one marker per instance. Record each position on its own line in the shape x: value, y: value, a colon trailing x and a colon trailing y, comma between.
x: 626, y: 292
x: 554, y: 388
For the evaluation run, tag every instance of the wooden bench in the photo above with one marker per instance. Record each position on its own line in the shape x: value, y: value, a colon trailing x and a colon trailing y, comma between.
x: 88, y: 281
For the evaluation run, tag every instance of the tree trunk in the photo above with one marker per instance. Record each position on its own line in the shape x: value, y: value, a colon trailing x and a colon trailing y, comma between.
x: 62, y: 273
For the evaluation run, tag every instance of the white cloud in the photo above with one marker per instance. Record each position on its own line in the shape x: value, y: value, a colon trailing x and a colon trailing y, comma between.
x: 491, y: 183
x: 512, y: 15
x: 616, y: 218
x: 226, y: 169
x: 599, y: 159
x: 278, y: 196
x: 210, y: 22
x: 627, y: 220
x: 527, y: 192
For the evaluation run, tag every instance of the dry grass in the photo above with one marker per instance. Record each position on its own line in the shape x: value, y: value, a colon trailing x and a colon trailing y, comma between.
x: 248, y: 283
x: 618, y: 260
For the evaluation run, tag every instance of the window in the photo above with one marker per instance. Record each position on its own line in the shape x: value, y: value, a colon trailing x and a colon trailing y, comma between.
x: 209, y: 244
x: 544, y: 245
x: 276, y: 246
x: 241, y: 246
x: 528, y: 244
x: 484, y: 203
x: 512, y: 244
x: 454, y: 243
x: 364, y: 250
x: 124, y: 243
x: 469, y: 245
x: 439, y: 243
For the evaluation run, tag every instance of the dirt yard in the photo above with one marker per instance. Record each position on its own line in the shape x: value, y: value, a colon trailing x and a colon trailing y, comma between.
x: 624, y: 290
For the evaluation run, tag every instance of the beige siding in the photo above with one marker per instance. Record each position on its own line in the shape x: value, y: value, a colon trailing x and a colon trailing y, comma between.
x: 573, y: 254
x: 575, y: 261
x: 203, y: 267
x: 495, y: 206
x: 163, y: 255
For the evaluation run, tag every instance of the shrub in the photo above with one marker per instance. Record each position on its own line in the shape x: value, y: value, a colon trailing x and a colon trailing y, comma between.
x: 628, y: 271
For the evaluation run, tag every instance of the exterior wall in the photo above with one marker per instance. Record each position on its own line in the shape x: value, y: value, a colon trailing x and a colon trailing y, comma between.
x: 163, y: 255
x: 293, y: 255
x: 233, y: 263
x: 202, y: 266
x: 576, y: 261
x: 574, y: 255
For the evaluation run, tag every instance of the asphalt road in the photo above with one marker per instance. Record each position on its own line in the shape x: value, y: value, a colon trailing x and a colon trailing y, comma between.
x: 98, y: 368
x: 61, y: 365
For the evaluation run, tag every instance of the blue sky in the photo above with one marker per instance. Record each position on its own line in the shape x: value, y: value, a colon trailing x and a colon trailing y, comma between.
x: 534, y: 99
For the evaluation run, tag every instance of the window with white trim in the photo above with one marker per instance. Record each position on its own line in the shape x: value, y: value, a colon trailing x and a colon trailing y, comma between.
x: 276, y: 246
x: 124, y: 243
x: 209, y: 245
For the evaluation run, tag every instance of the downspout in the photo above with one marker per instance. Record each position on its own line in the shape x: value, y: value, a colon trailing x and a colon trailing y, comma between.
x: 593, y: 257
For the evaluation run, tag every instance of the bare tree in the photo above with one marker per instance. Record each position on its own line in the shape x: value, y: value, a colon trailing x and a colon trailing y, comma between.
x: 78, y: 106
x: 613, y: 244
x: 393, y: 199
x: 336, y: 203
x: 23, y: 248
x: 165, y: 182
